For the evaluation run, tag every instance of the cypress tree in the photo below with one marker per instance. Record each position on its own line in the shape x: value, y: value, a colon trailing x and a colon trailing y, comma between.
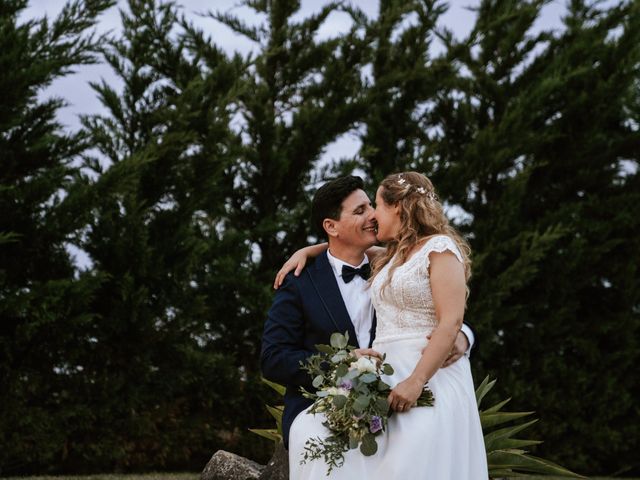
x: 299, y: 94
x: 43, y: 298
x: 406, y: 77
x: 163, y: 392
x: 533, y: 138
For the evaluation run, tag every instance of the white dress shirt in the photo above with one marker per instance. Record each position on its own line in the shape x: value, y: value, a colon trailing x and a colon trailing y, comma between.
x: 356, y: 298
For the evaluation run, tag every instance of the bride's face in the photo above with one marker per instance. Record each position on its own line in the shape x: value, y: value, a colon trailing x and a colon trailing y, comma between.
x: 387, y: 217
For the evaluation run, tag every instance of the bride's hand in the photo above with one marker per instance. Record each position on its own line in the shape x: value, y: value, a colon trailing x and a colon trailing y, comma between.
x: 297, y: 262
x: 405, y: 394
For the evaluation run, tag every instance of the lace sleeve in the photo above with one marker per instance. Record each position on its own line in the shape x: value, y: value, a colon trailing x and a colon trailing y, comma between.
x: 439, y: 244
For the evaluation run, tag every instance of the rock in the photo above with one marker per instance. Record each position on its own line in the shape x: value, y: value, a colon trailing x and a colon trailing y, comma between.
x: 229, y: 466
x: 278, y: 466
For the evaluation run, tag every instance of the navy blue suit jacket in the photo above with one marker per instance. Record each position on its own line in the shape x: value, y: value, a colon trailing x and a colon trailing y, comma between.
x: 305, y: 312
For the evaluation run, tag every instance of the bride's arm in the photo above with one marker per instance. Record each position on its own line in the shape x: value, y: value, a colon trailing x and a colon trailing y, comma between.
x: 297, y: 261
x: 448, y: 291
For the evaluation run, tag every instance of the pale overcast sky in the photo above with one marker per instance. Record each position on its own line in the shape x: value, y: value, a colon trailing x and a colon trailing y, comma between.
x: 81, y: 98
x: 76, y: 91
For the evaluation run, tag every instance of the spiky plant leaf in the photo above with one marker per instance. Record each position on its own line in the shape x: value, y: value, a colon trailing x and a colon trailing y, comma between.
x: 280, y: 389
x: 483, y: 389
x: 517, y: 459
x: 490, y: 439
x: 268, y: 433
x: 497, y: 406
x: 505, y: 457
x: 497, y: 418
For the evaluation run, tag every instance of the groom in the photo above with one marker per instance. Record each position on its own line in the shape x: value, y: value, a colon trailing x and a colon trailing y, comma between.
x: 329, y: 296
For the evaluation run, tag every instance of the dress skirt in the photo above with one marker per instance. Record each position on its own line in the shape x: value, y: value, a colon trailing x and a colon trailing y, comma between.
x: 443, y: 442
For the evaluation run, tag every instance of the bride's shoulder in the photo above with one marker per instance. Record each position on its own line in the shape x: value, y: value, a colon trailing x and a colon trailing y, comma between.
x: 439, y: 243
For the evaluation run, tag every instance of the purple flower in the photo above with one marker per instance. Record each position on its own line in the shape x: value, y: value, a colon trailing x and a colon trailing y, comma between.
x: 346, y: 384
x: 376, y: 424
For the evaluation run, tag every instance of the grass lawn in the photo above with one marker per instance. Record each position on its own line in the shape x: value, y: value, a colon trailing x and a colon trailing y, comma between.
x: 196, y: 476
x: 146, y: 476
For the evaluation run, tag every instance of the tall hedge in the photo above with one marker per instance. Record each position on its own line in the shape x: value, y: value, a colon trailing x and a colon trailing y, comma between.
x: 193, y: 185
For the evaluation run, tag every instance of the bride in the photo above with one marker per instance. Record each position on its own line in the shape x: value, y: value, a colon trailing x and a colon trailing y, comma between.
x: 418, y: 288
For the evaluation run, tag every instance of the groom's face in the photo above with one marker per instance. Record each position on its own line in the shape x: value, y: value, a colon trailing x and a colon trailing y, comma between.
x: 356, y: 226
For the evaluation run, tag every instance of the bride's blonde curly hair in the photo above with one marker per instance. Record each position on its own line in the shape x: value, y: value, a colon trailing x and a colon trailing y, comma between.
x: 421, y: 216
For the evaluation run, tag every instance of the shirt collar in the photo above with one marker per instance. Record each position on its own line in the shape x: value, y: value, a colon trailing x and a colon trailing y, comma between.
x: 336, y: 263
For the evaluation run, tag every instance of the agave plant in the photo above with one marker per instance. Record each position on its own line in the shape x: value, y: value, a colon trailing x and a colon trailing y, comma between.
x: 505, y: 454
x: 274, y: 434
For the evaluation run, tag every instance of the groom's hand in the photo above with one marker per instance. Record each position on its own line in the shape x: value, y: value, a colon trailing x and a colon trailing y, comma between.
x: 460, y: 346
x: 367, y: 352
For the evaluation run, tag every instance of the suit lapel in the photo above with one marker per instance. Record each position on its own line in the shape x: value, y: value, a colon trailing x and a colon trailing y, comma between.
x: 327, y: 287
x: 372, y: 332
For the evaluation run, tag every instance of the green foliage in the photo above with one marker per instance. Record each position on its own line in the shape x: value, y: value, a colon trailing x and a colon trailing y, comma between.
x: 192, y: 187
x: 43, y: 303
x: 505, y: 457
x: 273, y: 434
x: 524, y: 155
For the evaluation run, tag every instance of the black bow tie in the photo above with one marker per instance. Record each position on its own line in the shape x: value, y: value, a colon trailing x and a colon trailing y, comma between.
x: 349, y: 272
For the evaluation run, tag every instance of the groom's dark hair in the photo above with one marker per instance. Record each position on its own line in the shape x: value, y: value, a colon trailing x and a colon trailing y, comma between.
x: 327, y: 202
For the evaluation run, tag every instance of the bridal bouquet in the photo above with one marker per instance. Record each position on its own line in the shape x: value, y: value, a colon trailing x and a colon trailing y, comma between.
x: 353, y: 397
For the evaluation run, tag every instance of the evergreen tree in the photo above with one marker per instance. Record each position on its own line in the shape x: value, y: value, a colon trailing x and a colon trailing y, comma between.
x: 156, y: 231
x: 42, y: 301
x: 299, y: 94
x: 531, y: 149
x: 406, y: 78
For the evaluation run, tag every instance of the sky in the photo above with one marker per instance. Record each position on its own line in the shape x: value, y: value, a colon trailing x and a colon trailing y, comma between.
x: 81, y: 99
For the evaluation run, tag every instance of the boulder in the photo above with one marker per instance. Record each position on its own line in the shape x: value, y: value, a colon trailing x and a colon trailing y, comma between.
x: 278, y: 466
x: 229, y: 466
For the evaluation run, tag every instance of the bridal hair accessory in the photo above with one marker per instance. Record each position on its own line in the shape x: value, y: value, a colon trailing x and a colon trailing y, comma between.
x: 421, y: 190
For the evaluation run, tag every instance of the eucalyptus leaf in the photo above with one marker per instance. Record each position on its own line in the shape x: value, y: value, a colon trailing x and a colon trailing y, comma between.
x: 340, y: 356
x: 382, y: 386
x: 339, y: 401
x: 317, y: 381
x: 368, y: 446
x: 368, y: 378
x: 362, y: 402
x: 325, y: 349
x: 387, y: 369
x: 342, y: 370
x: 352, y: 374
x: 382, y: 405
x: 339, y: 341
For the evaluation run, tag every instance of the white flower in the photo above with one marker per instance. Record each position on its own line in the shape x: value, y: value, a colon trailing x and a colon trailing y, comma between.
x: 333, y: 391
x: 364, y: 364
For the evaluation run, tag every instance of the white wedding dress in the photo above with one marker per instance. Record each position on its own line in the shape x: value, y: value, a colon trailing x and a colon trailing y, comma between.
x: 443, y: 442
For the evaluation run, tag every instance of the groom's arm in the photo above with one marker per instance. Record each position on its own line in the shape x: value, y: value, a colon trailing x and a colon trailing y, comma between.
x: 283, y: 339
x: 471, y: 338
x: 464, y: 344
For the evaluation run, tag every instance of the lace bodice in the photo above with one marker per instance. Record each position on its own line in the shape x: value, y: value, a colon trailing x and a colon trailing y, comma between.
x: 405, y: 309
